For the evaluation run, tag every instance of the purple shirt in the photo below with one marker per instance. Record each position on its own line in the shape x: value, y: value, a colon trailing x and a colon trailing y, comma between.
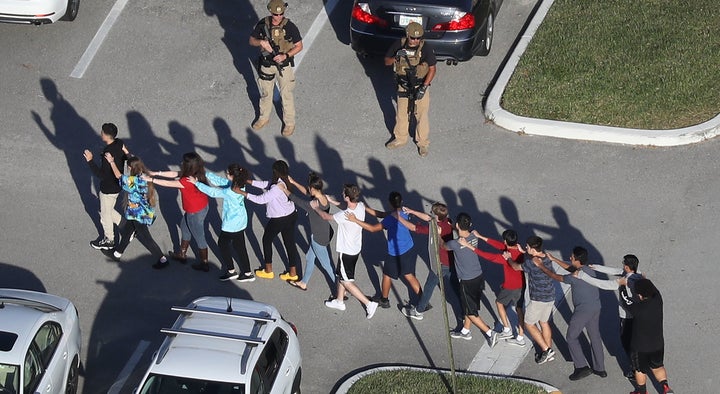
x: 277, y: 202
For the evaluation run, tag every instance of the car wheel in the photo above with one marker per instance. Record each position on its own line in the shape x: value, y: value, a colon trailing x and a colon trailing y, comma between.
x: 72, y: 10
x: 71, y: 386
x: 484, y: 38
x: 296, y: 383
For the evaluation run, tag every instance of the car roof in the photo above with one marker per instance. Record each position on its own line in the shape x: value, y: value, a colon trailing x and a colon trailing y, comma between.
x: 208, y: 342
x: 21, y: 313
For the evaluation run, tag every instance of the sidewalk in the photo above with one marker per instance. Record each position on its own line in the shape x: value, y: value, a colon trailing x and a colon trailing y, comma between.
x: 549, y: 128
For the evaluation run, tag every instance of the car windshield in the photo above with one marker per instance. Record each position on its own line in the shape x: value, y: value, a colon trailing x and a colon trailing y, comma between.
x: 9, y: 379
x: 161, y: 384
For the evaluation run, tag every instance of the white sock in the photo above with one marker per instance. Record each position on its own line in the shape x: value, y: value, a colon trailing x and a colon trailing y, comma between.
x: 489, y: 333
x: 506, y: 329
x: 520, y: 338
x: 465, y: 331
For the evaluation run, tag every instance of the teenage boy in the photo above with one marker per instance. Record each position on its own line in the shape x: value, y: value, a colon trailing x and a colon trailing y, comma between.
x: 471, y: 278
x: 400, y: 259
x: 512, y: 290
x: 586, y: 314
x: 109, y: 186
x: 647, y: 343
x: 542, y: 297
x: 348, y: 247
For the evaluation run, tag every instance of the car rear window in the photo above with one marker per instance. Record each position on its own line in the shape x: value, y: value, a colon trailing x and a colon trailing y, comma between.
x: 7, y: 340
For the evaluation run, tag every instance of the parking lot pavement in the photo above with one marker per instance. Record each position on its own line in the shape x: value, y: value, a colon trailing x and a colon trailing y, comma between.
x: 179, y: 76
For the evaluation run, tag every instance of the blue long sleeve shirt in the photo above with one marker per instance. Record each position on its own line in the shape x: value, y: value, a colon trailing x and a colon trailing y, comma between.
x: 234, y: 213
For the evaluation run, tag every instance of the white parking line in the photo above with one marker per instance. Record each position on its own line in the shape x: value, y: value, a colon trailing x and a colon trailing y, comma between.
x: 314, y: 30
x: 94, y: 46
x: 129, y: 367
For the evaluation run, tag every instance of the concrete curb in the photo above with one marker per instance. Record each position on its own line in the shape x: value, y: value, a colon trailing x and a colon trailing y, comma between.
x: 349, y: 381
x: 579, y: 131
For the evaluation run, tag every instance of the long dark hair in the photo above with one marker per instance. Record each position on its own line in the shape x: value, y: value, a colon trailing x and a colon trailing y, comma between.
x: 193, y: 165
x: 280, y: 170
x: 240, y: 175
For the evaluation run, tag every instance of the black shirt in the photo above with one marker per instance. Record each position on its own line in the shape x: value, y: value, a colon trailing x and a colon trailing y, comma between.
x: 647, y: 329
x: 108, y: 183
x: 292, y: 33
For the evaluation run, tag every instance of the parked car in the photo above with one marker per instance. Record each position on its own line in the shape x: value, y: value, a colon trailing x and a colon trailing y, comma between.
x: 458, y: 29
x: 39, y: 343
x: 226, y: 345
x: 38, y: 12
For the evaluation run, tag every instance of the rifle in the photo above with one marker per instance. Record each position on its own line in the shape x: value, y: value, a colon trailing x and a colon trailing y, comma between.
x: 275, y: 48
x: 411, y: 89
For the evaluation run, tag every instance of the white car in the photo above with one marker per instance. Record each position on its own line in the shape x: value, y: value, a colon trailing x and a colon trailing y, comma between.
x: 38, y: 12
x: 226, y: 345
x: 39, y: 343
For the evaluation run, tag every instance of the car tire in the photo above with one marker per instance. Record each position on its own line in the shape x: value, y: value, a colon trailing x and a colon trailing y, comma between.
x: 296, y: 383
x: 72, y: 10
x: 71, y: 385
x: 484, y: 38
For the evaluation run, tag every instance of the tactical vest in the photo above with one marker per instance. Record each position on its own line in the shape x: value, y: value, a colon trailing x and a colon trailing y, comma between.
x: 277, y: 34
x: 413, y: 57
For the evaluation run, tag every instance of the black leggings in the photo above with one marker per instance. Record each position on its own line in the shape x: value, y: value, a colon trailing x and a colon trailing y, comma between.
x: 285, y: 226
x: 142, y: 233
x: 229, y: 241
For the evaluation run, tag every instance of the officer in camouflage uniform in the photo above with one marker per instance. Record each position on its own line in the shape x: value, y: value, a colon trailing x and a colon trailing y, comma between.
x: 279, y: 41
x: 405, y: 55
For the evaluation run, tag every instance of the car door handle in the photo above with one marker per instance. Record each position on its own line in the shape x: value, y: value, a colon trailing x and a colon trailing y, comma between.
x: 287, y: 372
x: 49, y: 388
x: 64, y: 355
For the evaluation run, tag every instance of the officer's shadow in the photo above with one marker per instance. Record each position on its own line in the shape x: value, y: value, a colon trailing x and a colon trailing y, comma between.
x: 383, y: 83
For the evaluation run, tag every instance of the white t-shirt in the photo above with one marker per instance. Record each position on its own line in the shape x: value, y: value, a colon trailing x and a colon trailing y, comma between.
x: 349, y: 234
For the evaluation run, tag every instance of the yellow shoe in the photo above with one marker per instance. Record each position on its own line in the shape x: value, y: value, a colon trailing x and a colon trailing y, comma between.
x: 260, y: 273
x: 286, y: 276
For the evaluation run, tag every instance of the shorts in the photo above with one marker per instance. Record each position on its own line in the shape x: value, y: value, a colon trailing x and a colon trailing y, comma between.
x: 395, y: 266
x: 470, y: 295
x: 538, y: 311
x: 509, y: 297
x: 346, y: 266
x: 642, y: 361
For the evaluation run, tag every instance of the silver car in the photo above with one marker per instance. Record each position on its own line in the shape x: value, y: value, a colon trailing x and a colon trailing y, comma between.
x: 40, y: 343
x: 226, y: 345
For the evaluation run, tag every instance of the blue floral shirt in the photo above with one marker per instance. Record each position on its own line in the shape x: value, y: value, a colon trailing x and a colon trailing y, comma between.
x: 138, y: 208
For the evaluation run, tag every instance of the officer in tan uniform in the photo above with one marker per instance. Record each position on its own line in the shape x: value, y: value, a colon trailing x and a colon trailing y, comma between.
x: 279, y: 41
x: 413, y: 62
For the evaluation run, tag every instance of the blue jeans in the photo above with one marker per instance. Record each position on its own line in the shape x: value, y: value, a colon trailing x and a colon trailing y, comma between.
x: 451, y: 295
x: 321, y: 253
x: 192, y: 225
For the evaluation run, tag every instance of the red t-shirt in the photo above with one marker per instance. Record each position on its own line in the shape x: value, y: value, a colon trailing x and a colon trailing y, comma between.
x: 193, y: 200
x: 513, y: 278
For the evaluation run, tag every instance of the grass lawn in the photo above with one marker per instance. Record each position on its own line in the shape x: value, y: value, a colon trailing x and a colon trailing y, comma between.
x: 414, y: 381
x: 651, y: 64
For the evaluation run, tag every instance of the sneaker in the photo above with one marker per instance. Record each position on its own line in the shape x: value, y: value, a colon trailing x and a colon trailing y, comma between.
x: 630, y: 375
x: 260, y: 123
x: 394, y: 144
x: 601, y: 374
x: 515, y: 341
x: 667, y: 389
x: 423, y: 151
x: 505, y: 334
x: 457, y: 334
x: 132, y: 236
x: 580, y: 373
x: 260, y: 273
x: 246, y: 277
x: 492, y: 339
x: 371, y: 307
x: 286, y: 277
x: 160, y: 264
x: 110, y: 253
x: 384, y: 303
x: 551, y: 354
x: 544, y: 357
x: 335, y: 304
x: 102, y: 244
x: 228, y: 275
x: 411, y: 312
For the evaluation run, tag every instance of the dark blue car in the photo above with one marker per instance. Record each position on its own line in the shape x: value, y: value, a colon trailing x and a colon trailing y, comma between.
x: 458, y: 29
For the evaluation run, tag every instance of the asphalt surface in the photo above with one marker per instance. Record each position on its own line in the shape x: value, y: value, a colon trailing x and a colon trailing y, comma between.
x: 178, y: 76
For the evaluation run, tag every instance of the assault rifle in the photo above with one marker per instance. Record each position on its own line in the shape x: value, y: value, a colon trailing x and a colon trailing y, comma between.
x: 275, y: 49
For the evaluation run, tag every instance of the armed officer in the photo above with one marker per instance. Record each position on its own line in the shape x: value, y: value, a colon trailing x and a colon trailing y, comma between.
x: 279, y: 41
x: 413, y: 62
